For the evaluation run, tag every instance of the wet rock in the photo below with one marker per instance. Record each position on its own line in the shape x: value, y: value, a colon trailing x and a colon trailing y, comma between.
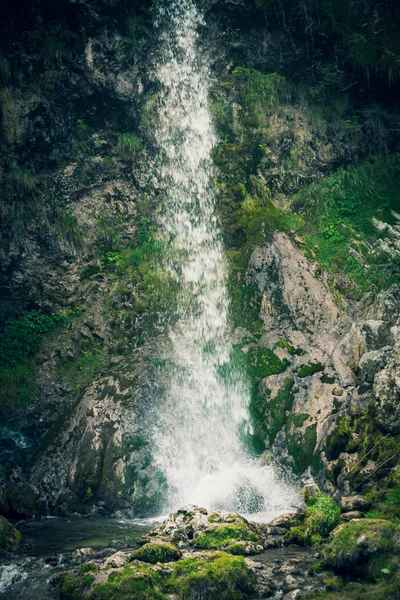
x: 354, y: 503
x: 117, y: 560
x: 290, y: 583
x: 353, y: 514
x: 372, y: 363
x: 283, y: 521
x: 294, y: 595
x: 82, y: 554
x: 387, y: 391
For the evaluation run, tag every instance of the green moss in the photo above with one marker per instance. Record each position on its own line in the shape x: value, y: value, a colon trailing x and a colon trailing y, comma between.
x: 310, y: 369
x: 73, y: 587
x: 291, y: 349
x: 337, y: 441
x: 386, y: 503
x: 322, y: 514
x: 237, y: 549
x: 301, y: 446
x: 263, y: 363
x: 274, y: 411
x: 221, y: 536
x: 22, y: 336
x: 81, y: 370
x: 139, y: 587
x: 18, y: 385
x: 10, y: 537
x: 340, y: 209
x: 221, y: 577
x: 258, y: 92
x: 354, y: 544
x: 296, y: 535
x: 158, y: 552
x: 299, y: 419
x: 86, y: 567
x: 67, y: 224
x: 128, y: 144
x: 360, y: 591
x: 216, y: 576
x: 260, y: 217
x: 245, y: 298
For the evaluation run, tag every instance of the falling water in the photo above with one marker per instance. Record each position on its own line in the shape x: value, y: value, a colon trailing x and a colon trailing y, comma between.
x: 198, y: 440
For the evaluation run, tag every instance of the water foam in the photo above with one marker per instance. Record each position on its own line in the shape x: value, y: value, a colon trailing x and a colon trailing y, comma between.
x: 204, y: 417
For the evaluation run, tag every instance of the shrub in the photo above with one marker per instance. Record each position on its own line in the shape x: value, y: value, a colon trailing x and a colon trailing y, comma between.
x: 322, y: 515
x: 22, y: 336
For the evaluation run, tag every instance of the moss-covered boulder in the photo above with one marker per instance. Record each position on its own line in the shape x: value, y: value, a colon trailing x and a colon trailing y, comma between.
x: 10, y: 537
x: 358, y: 543
x: 218, y: 576
x: 161, y: 552
x: 211, y: 575
x: 194, y: 527
x: 238, y: 538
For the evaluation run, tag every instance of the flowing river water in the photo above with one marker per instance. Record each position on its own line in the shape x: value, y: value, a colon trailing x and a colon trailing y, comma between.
x: 204, y: 421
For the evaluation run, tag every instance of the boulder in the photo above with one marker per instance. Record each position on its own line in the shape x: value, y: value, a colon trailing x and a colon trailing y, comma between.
x: 353, y: 544
x: 354, y: 503
x: 220, y: 530
x: 10, y: 537
x: 158, y: 552
x: 82, y: 554
x: 117, y: 560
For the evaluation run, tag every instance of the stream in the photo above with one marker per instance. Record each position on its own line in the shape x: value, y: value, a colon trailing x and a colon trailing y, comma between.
x: 48, y: 547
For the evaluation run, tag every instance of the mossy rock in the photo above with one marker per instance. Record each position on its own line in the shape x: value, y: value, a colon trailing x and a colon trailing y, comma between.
x: 162, y: 552
x: 22, y: 499
x: 264, y: 363
x: 301, y: 445
x: 215, y: 576
x: 225, y: 535
x: 125, y: 584
x: 10, y: 537
x: 218, y: 576
x: 357, y: 543
x: 310, y: 369
x: 356, y: 590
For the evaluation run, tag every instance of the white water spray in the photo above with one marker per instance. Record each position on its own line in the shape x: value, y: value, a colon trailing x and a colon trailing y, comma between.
x: 205, y: 414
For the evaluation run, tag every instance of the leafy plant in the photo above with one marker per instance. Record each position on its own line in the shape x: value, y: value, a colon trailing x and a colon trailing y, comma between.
x: 20, y: 338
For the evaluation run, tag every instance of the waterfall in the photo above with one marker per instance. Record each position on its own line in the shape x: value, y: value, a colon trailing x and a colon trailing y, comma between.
x: 204, y: 417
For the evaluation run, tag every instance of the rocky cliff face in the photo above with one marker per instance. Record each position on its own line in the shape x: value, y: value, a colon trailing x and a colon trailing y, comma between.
x: 77, y: 221
x: 338, y: 361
